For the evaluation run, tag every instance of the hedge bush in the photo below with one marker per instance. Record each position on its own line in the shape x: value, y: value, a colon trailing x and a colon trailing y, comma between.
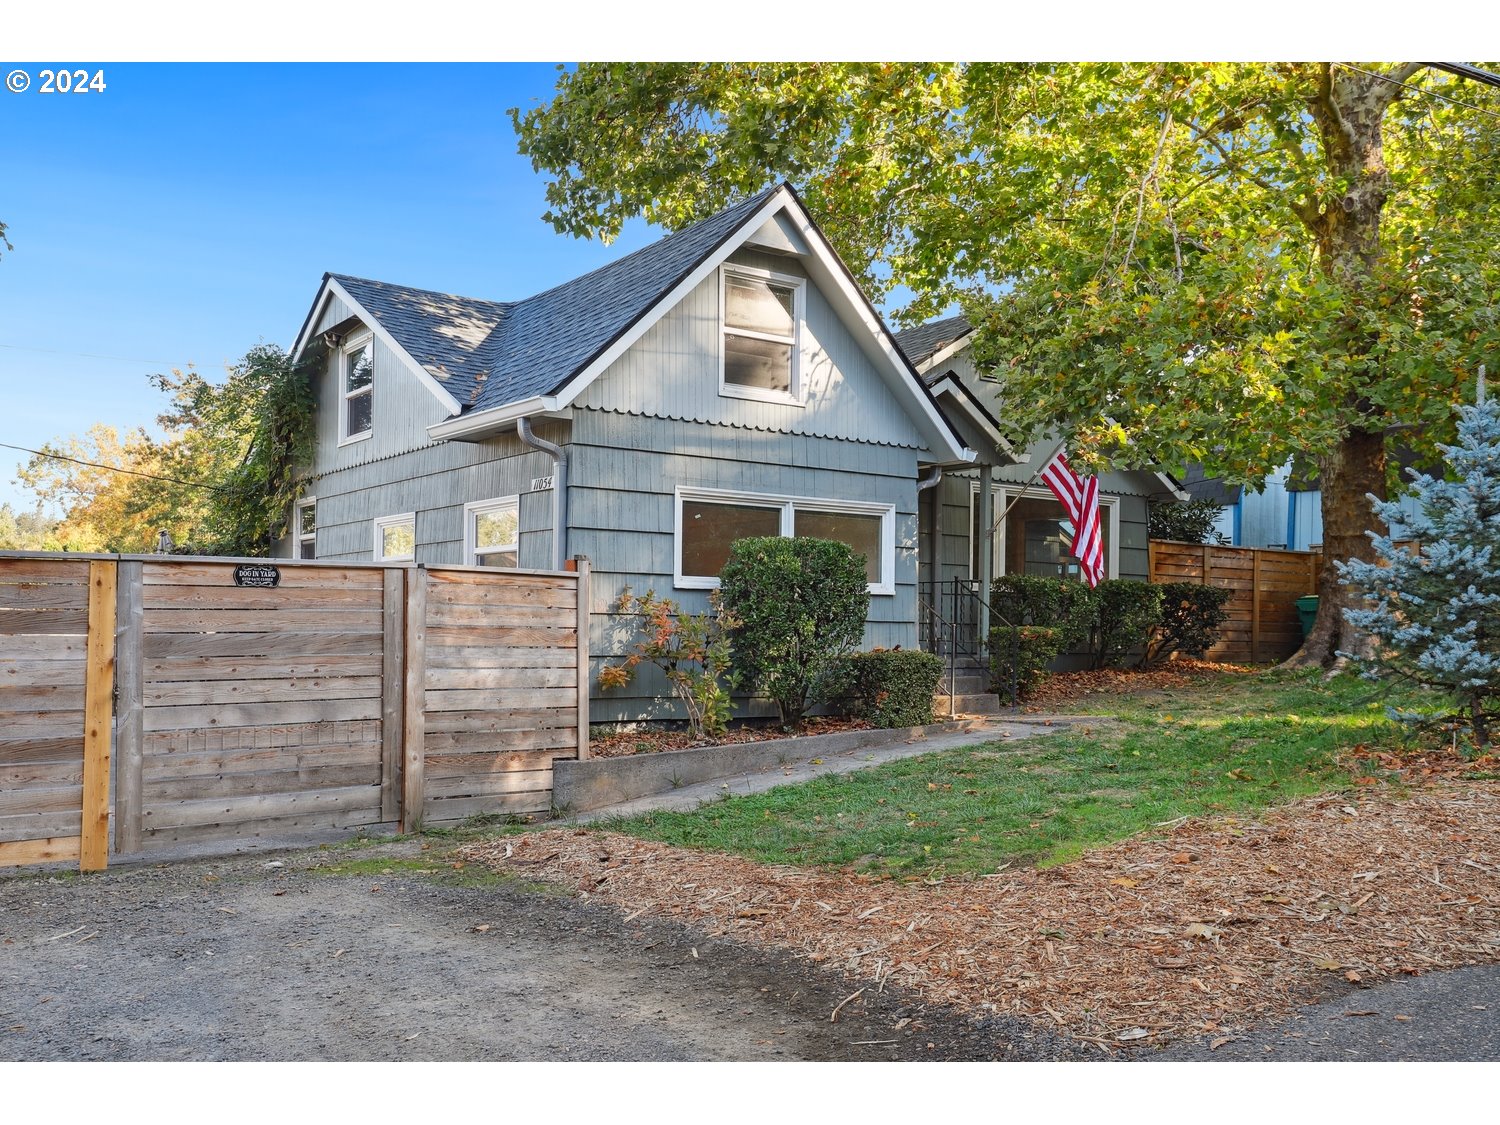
x: 1031, y: 649
x: 893, y: 688
x: 1127, y: 612
x: 1191, y: 617
x: 801, y: 606
x: 1049, y: 603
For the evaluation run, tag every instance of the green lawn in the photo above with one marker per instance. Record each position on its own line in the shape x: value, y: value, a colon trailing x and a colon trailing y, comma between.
x: 1227, y: 744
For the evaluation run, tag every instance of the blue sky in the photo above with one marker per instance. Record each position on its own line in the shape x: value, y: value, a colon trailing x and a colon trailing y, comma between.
x: 188, y: 212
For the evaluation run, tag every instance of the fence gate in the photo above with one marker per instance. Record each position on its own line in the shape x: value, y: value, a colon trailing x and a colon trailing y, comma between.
x: 56, y: 677
x: 256, y: 698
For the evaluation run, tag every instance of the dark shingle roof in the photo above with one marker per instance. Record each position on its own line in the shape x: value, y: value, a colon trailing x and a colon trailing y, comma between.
x: 489, y: 354
x: 921, y: 343
x: 1201, y: 487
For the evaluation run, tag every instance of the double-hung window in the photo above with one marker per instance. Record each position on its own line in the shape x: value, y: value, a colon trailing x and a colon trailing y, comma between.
x: 356, y: 389
x: 396, y: 538
x: 761, y: 314
x: 709, y: 520
x: 492, y: 531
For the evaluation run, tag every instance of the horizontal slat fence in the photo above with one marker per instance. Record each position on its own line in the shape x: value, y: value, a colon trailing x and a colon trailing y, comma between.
x: 343, y: 696
x: 1263, y: 624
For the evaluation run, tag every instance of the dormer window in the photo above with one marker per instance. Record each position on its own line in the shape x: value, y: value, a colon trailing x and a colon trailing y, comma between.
x: 357, y: 386
x: 761, y: 313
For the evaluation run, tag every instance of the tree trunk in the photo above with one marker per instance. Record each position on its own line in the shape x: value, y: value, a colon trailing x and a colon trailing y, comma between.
x: 1349, y: 108
x: 1355, y: 468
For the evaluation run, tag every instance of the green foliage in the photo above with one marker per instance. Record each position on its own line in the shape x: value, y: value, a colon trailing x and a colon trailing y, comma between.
x: 1127, y: 612
x: 247, y: 436
x: 1436, y: 610
x: 26, y: 531
x: 894, y: 688
x: 1189, y: 522
x: 1175, y: 261
x: 1022, y: 655
x: 801, y: 606
x: 692, y: 650
x: 1191, y: 617
x: 1069, y: 607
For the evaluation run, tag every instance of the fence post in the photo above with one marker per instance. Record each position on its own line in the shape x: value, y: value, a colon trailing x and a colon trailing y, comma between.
x: 414, y: 719
x: 1255, y: 607
x: 129, y: 733
x: 392, y: 693
x: 582, y: 567
x: 98, y: 715
x: 1207, y: 562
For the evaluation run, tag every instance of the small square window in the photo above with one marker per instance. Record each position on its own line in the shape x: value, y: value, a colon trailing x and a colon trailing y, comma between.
x: 396, y: 538
x: 492, y: 531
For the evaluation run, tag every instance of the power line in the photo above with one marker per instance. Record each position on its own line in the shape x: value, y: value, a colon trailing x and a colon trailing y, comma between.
x: 113, y: 468
x: 1464, y: 70
x: 1420, y: 89
x: 95, y: 355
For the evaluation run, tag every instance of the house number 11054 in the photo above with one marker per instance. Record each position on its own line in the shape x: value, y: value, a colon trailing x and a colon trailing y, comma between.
x: 541, y: 484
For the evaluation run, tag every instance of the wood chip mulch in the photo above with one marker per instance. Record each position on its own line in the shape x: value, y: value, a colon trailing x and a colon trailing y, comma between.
x: 1212, y: 926
x: 1066, y: 687
x: 655, y: 741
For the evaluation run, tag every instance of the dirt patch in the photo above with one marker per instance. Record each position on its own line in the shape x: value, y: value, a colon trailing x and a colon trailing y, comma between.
x: 387, y: 952
x: 654, y: 741
x: 1062, y: 688
x: 1218, y: 925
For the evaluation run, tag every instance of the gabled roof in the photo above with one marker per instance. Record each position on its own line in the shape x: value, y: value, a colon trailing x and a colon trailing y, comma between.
x: 491, y: 362
x: 921, y: 343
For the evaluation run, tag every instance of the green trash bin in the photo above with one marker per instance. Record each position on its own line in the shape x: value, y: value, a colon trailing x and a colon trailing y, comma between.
x: 1307, y: 610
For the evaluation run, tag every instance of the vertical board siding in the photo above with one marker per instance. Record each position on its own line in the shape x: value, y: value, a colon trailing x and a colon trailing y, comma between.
x: 1263, y: 622
x: 673, y: 372
x: 44, y: 628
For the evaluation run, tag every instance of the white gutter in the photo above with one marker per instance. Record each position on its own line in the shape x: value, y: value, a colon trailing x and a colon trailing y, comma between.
x: 488, y: 421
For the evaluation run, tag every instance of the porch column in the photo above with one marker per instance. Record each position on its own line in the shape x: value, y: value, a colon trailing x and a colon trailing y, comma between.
x: 986, y: 549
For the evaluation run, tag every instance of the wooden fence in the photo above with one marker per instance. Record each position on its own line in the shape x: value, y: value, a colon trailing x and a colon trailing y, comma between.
x: 340, y: 696
x: 1263, y: 624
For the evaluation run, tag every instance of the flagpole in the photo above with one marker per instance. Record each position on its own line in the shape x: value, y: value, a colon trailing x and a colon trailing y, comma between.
x: 1021, y: 495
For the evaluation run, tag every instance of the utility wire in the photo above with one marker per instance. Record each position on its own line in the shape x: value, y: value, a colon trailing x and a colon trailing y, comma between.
x: 1420, y: 90
x: 114, y: 468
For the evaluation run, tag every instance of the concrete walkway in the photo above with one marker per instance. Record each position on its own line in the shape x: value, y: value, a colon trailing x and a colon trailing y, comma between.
x: 690, y: 797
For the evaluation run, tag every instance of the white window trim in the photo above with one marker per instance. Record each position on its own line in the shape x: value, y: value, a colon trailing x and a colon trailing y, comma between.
x: 476, y: 508
x: 1109, y: 508
x: 788, y: 506
x: 383, y: 522
x: 298, y: 535
x: 344, y: 396
x: 799, y: 307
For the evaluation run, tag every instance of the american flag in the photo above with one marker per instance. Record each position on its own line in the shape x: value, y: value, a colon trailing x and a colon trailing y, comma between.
x: 1080, y: 499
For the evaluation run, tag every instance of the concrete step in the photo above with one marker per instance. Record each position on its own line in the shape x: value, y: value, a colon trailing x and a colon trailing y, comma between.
x: 966, y: 683
x: 978, y: 703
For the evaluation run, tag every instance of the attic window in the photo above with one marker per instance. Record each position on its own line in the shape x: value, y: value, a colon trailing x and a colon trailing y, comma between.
x: 762, y: 318
x: 357, y: 389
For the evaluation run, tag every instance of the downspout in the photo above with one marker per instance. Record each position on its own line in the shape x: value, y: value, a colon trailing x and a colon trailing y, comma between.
x: 933, y: 478
x: 559, y: 489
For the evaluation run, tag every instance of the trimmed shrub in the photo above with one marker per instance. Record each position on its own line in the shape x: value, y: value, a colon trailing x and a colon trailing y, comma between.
x: 1031, y: 649
x: 894, y: 688
x: 1190, y: 521
x: 1049, y: 603
x: 801, y: 606
x: 1127, y: 612
x: 1191, y: 617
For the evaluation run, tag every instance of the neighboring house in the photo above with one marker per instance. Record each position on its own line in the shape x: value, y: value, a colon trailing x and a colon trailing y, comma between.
x: 728, y: 380
x: 1034, y: 536
x: 1284, y: 514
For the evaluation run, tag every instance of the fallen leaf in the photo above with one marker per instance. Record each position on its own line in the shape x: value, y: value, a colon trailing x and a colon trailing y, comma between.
x: 1352, y: 977
x: 1183, y: 857
x: 1215, y: 1044
x: 1123, y: 882
x: 1203, y: 930
x: 1133, y: 1033
x: 1403, y: 1019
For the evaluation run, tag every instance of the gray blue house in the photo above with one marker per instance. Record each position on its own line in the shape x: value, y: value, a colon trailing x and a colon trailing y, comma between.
x: 728, y: 380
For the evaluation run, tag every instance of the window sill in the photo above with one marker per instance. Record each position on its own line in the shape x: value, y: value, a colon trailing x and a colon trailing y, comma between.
x: 781, y: 398
x: 356, y: 438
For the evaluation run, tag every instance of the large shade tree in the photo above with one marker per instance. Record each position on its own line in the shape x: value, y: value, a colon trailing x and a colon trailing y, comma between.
x: 1224, y: 263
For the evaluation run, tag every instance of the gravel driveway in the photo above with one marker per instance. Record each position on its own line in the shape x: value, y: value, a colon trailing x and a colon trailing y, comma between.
x: 321, y: 955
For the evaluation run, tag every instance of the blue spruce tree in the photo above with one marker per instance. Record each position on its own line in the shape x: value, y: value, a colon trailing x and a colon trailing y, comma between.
x: 1436, y: 612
